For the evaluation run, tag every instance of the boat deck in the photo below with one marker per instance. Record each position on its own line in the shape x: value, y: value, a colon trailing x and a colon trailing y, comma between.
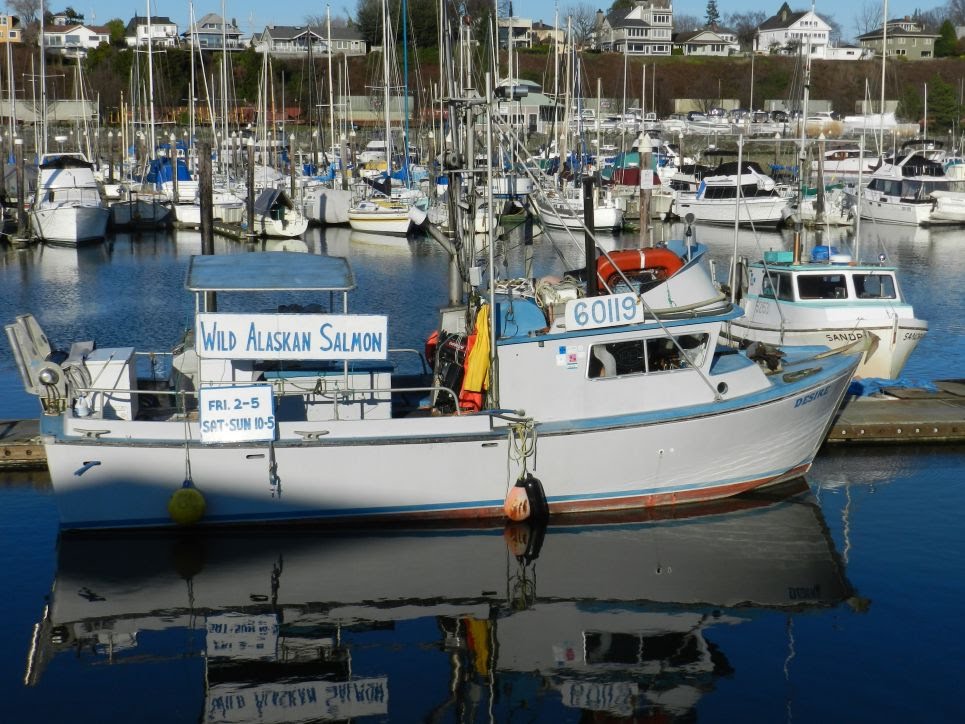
x: 899, y: 415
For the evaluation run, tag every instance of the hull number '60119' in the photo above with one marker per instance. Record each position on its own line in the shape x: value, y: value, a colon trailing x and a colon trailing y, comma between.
x: 606, y: 311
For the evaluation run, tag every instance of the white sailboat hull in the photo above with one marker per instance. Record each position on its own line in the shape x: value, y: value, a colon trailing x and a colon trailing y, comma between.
x: 141, y: 214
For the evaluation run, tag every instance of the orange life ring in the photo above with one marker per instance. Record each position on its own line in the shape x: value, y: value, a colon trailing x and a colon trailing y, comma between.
x: 662, y: 262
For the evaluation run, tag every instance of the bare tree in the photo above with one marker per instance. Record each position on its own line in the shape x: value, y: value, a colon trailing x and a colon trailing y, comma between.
x: 867, y: 17
x: 955, y: 11
x: 745, y: 26
x: 26, y: 10
x: 582, y: 18
x: 685, y: 23
x: 320, y: 21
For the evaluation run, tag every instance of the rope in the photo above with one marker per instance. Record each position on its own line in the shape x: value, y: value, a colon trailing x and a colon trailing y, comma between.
x: 522, y: 446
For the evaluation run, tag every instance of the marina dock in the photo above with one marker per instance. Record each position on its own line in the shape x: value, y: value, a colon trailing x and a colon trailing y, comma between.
x: 899, y: 415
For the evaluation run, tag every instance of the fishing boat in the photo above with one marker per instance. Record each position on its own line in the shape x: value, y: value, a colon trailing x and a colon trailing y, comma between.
x: 827, y: 298
x: 298, y: 414
x: 274, y: 627
x: 68, y: 209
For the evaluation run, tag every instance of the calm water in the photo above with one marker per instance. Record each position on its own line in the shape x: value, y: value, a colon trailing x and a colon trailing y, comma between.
x: 835, y: 602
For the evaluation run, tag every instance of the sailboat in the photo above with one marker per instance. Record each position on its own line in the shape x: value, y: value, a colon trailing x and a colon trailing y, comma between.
x: 389, y: 209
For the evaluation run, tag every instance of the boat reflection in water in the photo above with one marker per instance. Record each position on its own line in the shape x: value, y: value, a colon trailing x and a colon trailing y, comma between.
x: 609, y: 614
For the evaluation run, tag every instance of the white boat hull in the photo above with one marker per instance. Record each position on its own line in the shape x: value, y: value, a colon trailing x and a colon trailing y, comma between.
x: 885, y: 210
x: 380, y: 222
x: 289, y: 227
x: 649, y: 460
x: 70, y: 225
x: 140, y: 214
x: 764, y: 210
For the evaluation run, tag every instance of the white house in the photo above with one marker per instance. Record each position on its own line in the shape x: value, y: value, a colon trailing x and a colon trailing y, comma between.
x: 788, y: 30
x: 707, y: 41
x: 644, y: 29
x: 74, y: 40
x: 162, y: 30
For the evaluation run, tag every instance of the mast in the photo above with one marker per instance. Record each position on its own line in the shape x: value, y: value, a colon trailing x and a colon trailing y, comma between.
x: 884, y: 56
x: 150, y: 80
x: 331, y: 92
x: 385, y: 74
x: 43, y: 85
x: 191, y: 89
x: 224, y: 83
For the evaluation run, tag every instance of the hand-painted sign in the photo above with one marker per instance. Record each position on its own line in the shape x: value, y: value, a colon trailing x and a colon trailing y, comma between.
x: 606, y: 311
x: 236, y: 414
x: 291, y: 336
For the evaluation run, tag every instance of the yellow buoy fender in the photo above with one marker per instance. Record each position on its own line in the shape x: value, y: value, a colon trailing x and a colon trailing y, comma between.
x: 186, y: 506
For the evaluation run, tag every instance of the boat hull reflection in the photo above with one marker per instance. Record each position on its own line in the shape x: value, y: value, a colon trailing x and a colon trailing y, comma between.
x: 593, y: 606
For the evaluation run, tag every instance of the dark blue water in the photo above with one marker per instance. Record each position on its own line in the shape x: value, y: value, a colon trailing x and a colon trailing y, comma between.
x: 838, y: 602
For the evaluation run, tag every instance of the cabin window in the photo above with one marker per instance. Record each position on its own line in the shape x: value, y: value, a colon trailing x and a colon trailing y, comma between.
x: 641, y: 356
x: 875, y: 286
x: 822, y: 286
x: 783, y: 284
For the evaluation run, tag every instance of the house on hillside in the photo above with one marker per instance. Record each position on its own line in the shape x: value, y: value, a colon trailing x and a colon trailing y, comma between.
x: 543, y: 34
x: 707, y: 41
x: 520, y: 30
x: 10, y: 29
x: 74, y: 40
x: 294, y: 41
x: 904, y: 37
x: 212, y: 32
x: 789, y: 31
x: 644, y: 29
x: 162, y: 31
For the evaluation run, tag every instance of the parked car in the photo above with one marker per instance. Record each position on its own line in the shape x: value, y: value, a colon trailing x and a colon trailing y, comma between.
x: 696, y: 116
x: 779, y: 116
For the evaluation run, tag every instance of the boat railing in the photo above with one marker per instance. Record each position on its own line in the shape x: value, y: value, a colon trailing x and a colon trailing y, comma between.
x: 185, y: 400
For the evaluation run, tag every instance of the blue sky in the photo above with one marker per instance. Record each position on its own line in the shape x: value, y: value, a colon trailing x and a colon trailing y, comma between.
x: 255, y: 14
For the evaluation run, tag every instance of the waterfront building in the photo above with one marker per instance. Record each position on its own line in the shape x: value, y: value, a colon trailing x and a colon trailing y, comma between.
x: 294, y: 40
x: 212, y: 32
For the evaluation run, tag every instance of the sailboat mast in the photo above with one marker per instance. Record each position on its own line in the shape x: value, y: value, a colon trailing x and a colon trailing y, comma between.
x: 331, y: 91
x: 385, y: 75
x: 150, y: 80
x: 884, y: 56
x: 224, y: 79
x: 43, y: 84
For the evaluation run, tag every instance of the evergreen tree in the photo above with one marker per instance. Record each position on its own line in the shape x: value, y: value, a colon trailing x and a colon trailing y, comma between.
x: 946, y: 44
x: 713, y: 15
x: 944, y: 109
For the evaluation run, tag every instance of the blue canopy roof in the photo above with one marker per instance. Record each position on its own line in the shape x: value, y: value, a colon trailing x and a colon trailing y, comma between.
x: 269, y: 271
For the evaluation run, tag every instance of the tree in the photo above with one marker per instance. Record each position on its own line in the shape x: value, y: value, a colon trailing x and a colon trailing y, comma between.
x: 745, y: 26
x: 944, y: 109
x: 955, y: 11
x: 582, y: 19
x: 685, y: 23
x: 26, y: 10
x: 117, y: 29
x: 946, y: 44
x: 622, y: 5
x: 713, y: 15
x: 868, y: 17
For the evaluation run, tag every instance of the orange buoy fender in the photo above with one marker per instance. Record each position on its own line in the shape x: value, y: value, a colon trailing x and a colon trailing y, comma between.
x: 527, y: 500
x: 663, y: 262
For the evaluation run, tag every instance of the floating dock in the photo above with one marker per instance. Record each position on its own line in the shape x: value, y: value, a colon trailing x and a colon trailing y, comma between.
x: 896, y: 415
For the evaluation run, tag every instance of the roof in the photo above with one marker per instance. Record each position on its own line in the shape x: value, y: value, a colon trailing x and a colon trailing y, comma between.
x: 894, y: 32
x: 783, y: 18
x: 290, y: 32
x: 619, y: 19
x: 269, y: 271
x: 212, y: 19
x: 139, y: 20
x: 99, y: 29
